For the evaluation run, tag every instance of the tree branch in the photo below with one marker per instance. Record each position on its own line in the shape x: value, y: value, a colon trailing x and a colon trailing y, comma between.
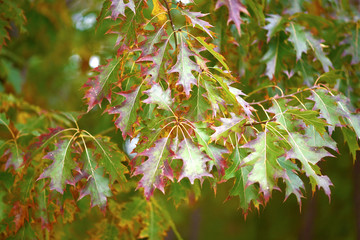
x: 171, y: 21
x: 283, y: 96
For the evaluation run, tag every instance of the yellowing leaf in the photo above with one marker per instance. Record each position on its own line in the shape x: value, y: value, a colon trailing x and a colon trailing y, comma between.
x: 159, y: 11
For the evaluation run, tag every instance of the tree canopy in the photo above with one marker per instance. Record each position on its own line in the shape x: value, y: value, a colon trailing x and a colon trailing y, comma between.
x: 119, y: 118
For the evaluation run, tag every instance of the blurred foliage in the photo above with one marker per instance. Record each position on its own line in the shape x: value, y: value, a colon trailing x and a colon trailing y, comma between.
x: 46, y: 49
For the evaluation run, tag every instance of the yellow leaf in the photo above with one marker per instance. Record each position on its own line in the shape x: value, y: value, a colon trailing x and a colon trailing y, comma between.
x: 159, y: 11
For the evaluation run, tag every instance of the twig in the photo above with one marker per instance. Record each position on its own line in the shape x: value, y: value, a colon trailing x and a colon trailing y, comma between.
x: 171, y: 21
x: 283, y: 96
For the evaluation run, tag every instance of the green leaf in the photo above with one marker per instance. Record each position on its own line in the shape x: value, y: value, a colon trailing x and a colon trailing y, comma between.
x: 232, y: 124
x: 14, y: 156
x: 257, y: 9
x: 319, y: 53
x: 97, y: 186
x: 350, y: 138
x: 215, y: 152
x: 331, y: 76
x: 194, y: 161
x: 100, y: 85
x: 155, y: 168
x: 198, y: 105
x: 127, y: 110
x: 184, y: 66
x: 210, y: 47
x: 353, y: 119
x: 214, y: 97
x: 317, y: 140
x: 329, y: 109
x: 298, y: 38
x: 157, y: 59
x: 294, y: 184
x: 4, y: 208
x: 60, y: 171
x: 276, y: 24
x: 111, y: 158
x: 309, y: 157
x: 134, y: 209
x: 247, y: 193
x: 3, y: 120
x: 272, y: 58
x: 279, y: 108
x: 264, y: 161
x: 309, y: 117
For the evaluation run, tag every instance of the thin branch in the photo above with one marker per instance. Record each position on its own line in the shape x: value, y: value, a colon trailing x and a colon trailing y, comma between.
x: 171, y: 21
x: 284, y: 96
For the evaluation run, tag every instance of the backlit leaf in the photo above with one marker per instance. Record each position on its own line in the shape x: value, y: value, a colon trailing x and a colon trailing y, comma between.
x: 329, y: 109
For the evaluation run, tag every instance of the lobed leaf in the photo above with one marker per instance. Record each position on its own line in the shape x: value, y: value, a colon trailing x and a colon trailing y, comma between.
x: 264, y: 161
x: 118, y: 7
x: 155, y: 168
x: 184, y: 66
x: 97, y: 186
x: 60, y: 171
x: 156, y: 95
x: 194, y: 161
x: 298, y: 39
x: 100, y: 85
x: 232, y: 124
x: 235, y: 7
x: 194, y: 18
x: 309, y: 156
x: 127, y: 111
